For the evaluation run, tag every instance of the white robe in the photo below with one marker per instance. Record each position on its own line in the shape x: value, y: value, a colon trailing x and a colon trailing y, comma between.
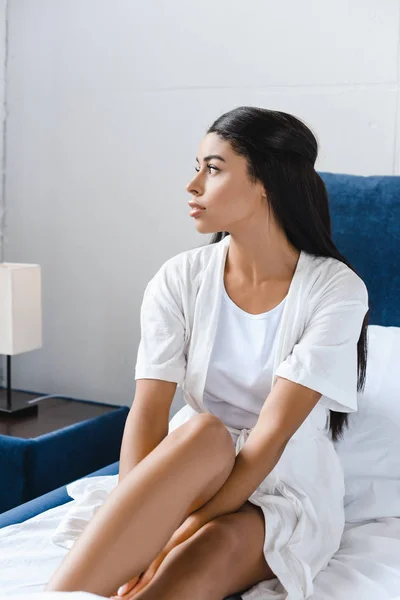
x: 302, y: 497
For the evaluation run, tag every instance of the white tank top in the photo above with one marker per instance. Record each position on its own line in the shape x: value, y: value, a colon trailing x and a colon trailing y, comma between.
x: 240, y: 370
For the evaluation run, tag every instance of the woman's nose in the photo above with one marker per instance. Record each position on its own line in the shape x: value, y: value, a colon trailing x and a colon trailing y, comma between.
x: 192, y: 188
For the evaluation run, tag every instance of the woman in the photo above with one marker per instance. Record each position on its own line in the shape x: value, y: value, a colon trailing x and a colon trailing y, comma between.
x: 265, y: 330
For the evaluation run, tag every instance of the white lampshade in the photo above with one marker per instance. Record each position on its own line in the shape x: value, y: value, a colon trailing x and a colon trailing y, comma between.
x: 20, y: 308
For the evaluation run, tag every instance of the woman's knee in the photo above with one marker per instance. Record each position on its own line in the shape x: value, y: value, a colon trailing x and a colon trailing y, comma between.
x: 211, y: 433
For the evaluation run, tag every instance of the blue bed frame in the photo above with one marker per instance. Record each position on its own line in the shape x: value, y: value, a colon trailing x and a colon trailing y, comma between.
x: 50, y: 500
x: 365, y: 214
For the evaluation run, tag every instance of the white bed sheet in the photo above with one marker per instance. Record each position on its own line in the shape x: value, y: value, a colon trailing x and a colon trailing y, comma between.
x: 366, y: 567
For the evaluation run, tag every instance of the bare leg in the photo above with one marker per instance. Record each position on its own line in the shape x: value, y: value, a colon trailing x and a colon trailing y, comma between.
x: 125, y: 535
x: 224, y: 557
x: 195, y: 569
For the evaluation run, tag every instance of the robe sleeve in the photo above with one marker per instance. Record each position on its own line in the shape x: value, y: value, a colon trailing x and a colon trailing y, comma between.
x: 325, y: 357
x: 161, y: 352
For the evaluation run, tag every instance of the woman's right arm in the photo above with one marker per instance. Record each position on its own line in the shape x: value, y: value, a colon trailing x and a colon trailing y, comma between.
x: 147, y: 422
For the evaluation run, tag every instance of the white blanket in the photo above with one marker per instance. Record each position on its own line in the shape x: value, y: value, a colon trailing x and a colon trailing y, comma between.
x: 366, y: 567
x: 89, y: 494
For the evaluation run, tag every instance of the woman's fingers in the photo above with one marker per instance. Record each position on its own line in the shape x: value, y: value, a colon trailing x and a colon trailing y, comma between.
x: 124, y: 589
x: 188, y: 528
x: 146, y: 577
x: 132, y: 592
x: 133, y: 586
x: 127, y: 587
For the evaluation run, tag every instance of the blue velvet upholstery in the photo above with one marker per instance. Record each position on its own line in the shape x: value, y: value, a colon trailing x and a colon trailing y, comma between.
x: 13, y: 458
x: 54, y: 498
x: 32, y: 467
x: 365, y: 215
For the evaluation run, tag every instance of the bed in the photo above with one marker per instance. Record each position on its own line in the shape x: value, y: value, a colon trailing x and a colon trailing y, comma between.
x: 366, y: 228
x: 367, y: 566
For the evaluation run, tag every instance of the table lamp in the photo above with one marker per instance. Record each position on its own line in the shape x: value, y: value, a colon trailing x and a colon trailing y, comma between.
x: 20, y: 324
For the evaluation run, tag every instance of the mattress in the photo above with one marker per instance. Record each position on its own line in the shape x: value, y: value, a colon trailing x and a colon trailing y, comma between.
x: 366, y: 567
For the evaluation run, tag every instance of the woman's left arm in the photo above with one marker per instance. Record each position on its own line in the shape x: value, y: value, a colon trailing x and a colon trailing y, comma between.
x: 284, y: 410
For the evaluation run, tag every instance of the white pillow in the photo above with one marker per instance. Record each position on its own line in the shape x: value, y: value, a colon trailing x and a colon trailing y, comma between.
x: 370, y: 449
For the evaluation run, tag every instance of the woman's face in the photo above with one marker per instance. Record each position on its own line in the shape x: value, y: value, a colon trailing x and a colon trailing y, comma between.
x: 222, y: 187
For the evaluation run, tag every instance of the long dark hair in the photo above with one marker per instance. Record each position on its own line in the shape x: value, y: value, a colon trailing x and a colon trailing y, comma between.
x: 281, y: 151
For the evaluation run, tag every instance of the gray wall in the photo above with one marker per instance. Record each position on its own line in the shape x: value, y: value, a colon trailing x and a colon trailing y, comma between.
x: 108, y: 102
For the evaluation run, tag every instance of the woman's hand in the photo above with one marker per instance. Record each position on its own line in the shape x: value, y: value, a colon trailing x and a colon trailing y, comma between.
x: 189, y: 527
x: 123, y: 590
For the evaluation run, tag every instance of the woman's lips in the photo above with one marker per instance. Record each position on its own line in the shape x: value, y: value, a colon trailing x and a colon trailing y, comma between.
x: 195, y: 212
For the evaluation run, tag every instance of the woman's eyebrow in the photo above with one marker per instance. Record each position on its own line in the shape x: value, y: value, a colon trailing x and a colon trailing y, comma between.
x: 210, y: 156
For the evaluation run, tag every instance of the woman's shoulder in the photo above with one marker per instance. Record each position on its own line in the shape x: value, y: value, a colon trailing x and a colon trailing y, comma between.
x: 184, y: 270
x: 332, y: 276
x: 191, y: 262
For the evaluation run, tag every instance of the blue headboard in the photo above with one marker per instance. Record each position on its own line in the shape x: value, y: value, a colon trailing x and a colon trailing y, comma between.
x: 365, y: 214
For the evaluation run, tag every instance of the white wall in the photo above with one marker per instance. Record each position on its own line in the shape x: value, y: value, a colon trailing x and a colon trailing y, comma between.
x: 3, y: 45
x: 3, y: 27
x: 108, y: 103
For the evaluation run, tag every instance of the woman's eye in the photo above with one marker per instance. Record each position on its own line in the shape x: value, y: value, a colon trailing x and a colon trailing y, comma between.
x: 208, y: 166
